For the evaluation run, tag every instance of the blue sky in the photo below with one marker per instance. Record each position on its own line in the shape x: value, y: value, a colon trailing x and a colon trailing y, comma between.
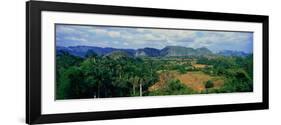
x: 134, y: 38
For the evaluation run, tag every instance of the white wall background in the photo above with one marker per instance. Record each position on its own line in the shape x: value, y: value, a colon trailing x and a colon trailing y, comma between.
x: 12, y: 63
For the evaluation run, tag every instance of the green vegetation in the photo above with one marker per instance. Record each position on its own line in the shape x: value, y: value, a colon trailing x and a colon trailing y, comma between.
x: 173, y: 87
x: 209, y: 84
x: 119, y: 75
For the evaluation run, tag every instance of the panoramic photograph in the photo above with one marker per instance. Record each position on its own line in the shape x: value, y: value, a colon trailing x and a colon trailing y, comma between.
x: 111, y: 61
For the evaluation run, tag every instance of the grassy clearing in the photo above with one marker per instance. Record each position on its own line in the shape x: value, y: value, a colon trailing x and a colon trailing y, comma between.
x: 193, y: 79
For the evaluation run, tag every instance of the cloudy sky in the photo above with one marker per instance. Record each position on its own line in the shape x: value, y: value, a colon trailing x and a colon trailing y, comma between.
x: 123, y: 37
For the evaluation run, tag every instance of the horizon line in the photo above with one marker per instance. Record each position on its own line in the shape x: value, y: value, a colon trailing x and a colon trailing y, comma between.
x: 157, y: 49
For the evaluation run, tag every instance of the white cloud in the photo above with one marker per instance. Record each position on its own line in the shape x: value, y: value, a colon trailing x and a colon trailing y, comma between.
x: 76, y: 39
x: 114, y: 34
x: 99, y: 31
x: 64, y: 29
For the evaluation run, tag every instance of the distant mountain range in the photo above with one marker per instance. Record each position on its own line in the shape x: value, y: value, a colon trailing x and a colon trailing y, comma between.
x: 232, y: 53
x: 168, y: 51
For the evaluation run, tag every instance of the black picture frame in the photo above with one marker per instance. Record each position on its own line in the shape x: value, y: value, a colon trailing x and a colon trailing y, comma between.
x: 33, y: 61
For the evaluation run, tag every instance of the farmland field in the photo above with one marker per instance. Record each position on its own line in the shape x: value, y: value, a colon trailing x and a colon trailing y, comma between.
x: 195, y: 80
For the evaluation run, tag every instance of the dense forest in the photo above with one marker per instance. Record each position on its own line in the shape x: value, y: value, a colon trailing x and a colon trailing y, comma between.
x: 120, y: 75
